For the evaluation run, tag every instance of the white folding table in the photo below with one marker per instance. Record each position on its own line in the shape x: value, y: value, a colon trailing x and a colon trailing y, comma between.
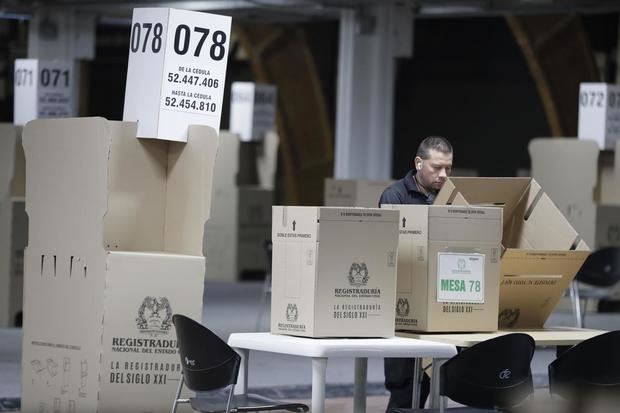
x: 320, y: 349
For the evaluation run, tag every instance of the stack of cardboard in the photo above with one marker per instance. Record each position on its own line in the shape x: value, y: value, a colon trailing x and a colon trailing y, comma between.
x: 115, y: 248
x: 13, y: 224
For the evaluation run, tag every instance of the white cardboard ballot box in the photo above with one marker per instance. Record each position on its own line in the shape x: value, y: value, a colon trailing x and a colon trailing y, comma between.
x: 115, y: 248
x: 448, y: 268
x: 252, y: 110
x: 599, y: 114
x: 45, y: 89
x: 176, y: 71
x: 13, y: 224
x: 334, y: 271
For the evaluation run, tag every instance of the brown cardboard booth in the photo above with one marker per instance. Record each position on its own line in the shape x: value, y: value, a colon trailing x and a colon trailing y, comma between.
x: 541, y: 252
x: 115, y: 248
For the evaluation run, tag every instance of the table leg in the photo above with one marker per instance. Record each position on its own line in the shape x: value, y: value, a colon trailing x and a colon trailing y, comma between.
x: 242, y: 379
x: 359, y: 392
x: 417, y: 382
x: 435, y: 398
x: 319, y: 367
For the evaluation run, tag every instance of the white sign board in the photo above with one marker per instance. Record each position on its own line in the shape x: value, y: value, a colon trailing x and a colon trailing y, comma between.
x: 252, y: 110
x: 177, y: 71
x: 44, y: 89
x: 599, y: 113
x: 460, y: 278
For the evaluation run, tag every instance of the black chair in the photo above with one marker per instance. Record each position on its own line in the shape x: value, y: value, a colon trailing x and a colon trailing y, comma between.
x: 601, y: 270
x: 208, y: 365
x: 492, y: 375
x: 588, y: 369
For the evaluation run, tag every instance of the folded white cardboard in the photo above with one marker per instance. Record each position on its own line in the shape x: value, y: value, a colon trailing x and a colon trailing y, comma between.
x: 541, y: 250
x: 599, y: 113
x: 448, y: 268
x: 353, y: 192
x: 45, y: 89
x: 176, y: 72
x: 13, y: 223
x: 334, y: 271
x: 115, y: 244
x: 252, y: 110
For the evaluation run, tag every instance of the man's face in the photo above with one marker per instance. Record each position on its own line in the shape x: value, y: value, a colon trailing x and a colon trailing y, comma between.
x: 433, y: 172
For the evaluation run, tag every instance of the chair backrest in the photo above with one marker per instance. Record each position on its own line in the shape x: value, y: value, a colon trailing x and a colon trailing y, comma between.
x: 601, y: 268
x: 492, y: 374
x: 590, y: 366
x: 208, y: 362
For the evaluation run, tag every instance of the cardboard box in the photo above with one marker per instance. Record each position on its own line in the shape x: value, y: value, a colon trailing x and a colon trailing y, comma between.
x: 599, y: 113
x: 573, y: 190
x: 353, y: 192
x: 13, y: 224
x: 541, y: 250
x: 448, y: 268
x: 334, y: 271
x: 240, y: 220
x: 115, y: 244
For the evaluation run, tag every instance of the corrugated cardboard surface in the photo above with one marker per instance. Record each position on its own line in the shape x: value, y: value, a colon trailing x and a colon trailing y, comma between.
x: 353, y: 192
x: 71, y: 187
x: 427, y: 231
x: 533, y: 229
x: 334, y: 271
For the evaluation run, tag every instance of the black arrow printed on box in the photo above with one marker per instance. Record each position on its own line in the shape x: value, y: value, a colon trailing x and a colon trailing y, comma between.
x: 404, y: 221
x: 294, y: 223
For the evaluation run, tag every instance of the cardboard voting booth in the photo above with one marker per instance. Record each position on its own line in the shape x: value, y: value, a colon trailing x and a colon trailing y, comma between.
x: 569, y: 168
x: 13, y: 224
x: 115, y: 248
x: 541, y: 252
x: 334, y: 271
x: 448, y: 268
x: 353, y: 192
x: 240, y: 220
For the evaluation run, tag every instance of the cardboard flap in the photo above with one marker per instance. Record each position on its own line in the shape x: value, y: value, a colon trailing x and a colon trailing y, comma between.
x: 532, y: 283
x: 18, y: 183
x: 188, y: 191
x: 8, y: 143
x: 136, y: 191
x: 504, y: 192
x: 294, y: 224
x: 66, y: 189
x: 357, y: 214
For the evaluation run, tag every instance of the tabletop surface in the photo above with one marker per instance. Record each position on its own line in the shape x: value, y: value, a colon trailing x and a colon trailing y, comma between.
x: 550, y: 336
x: 341, y: 347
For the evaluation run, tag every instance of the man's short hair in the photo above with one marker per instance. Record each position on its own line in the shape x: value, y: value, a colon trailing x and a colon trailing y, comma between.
x: 438, y: 143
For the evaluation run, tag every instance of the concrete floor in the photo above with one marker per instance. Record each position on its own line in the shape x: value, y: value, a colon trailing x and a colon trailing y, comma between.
x: 233, y: 308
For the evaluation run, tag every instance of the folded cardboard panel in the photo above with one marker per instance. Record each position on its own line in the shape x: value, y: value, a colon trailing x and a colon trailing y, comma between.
x: 533, y: 229
x: 334, y: 271
x: 81, y: 183
x: 448, y: 268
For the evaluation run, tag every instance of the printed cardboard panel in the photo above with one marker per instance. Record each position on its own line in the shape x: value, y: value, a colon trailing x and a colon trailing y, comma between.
x: 140, y: 361
x: 70, y: 184
x: 429, y: 235
x: 330, y: 279
x: 353, y: 193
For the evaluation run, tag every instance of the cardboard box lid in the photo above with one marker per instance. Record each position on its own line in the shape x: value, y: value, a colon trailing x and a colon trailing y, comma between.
x: 530, y: 219
x: 92, y: 183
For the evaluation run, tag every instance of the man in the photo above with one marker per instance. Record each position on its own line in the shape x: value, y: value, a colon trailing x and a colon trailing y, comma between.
x: 432, y: 166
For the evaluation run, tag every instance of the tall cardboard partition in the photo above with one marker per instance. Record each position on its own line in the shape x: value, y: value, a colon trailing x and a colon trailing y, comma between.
x: 115, y: 248
x: 541, y: 252
x: 572, y: 172
x: 13, y: 224
x: 240, y: 219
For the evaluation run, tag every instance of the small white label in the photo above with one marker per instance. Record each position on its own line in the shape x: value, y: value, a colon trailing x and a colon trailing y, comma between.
x: 599, y: 113
x: 460, y: 278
